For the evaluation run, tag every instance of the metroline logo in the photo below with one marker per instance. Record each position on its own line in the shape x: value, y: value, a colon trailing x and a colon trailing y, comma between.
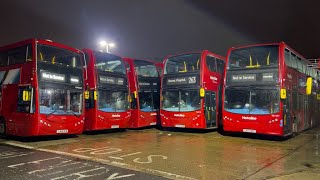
x: 178, y: 115
x: 115, y: 115
x: 214, y: 79
x: 249, y: 118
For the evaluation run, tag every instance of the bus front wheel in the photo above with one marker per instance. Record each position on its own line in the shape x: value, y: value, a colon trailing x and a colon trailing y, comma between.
x: 3, y: 132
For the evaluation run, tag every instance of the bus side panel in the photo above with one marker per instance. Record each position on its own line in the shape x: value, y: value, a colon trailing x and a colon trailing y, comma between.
x: 27, y: 73
x: 25, y: 124
x: 134, y: 121
x: 212, y: 81
x: 9, y: 106
x: 140, y: 119
x: 90, y: 120
x: 18, y: 123
x: 148, y: 118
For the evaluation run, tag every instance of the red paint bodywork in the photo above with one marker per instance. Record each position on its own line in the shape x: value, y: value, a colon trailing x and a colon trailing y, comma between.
x: 195, y: 119
x: 138, y: 118
x: 96, y: 119
x: 270, y: 124
x: 33, y: 124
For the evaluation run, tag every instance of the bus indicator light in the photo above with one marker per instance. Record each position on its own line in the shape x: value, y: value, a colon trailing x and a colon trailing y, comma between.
x: 283, y: 94
x: 202, y: 92
x: 86, y: 95
x: 95, y: 95
x: 26, y: 95
x: 309, y: 86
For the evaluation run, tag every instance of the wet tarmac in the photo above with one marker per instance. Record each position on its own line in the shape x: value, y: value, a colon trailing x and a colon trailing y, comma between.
x: 191, y: 154
x: 19, y: 163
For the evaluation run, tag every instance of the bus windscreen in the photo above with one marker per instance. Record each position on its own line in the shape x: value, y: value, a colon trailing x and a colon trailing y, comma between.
x: 182, y: 64
x: 113, y: 100
x: 244, y: 100
x: 180, y: 100
x: 109, y: 63
x: 145, y: 68
x: 254, y: 57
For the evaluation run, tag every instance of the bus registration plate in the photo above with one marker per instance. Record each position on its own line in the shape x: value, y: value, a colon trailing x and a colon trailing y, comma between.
x: 250, y: 130
x: 62, y: 131
x: 180, y: 125
x: 114, y: 126
x: 153, y: 123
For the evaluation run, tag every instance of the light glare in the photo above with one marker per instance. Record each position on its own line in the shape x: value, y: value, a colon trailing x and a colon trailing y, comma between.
x: 103, y: 43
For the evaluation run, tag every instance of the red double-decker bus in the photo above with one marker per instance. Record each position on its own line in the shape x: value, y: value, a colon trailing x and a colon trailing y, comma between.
x: 191, y: 90
x: 144, y: 83
x: 268, y: 90
x: 107, y: 92
x: 41, y: 89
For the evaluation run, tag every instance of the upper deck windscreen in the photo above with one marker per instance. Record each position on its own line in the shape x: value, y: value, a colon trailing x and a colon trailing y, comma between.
x: 58, y: 56
x: 254, y: 57
x: 145, y: 68
x: 182, y: 64
x: 109, y: 63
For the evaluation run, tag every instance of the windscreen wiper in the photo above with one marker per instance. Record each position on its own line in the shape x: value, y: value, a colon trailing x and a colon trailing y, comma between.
x: 52, y: 112
x: 73, y: 113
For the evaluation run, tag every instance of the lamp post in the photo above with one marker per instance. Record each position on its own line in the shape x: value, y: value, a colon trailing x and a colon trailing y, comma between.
x: 106, y: 45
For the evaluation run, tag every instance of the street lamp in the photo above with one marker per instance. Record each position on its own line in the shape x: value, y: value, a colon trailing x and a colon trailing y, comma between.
x: 105, y: 44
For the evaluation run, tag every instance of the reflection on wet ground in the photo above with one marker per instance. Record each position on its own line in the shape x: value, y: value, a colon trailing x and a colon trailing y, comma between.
x: 191, y: 155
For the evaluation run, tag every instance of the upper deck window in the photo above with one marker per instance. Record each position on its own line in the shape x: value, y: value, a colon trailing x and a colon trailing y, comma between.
x: 58, y: 56
x: 254, y: 57
x: 109, y: 63
x: 16, y: 55
x: 145, y: 68
x: 215, y: 64
x: 182, y: 64
x: 294, y: 61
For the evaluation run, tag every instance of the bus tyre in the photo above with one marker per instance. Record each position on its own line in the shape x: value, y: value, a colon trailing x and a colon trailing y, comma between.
x: 3, y: 127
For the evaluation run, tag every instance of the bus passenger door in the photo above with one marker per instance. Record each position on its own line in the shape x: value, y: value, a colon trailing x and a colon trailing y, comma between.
x: 287, y: 121
x: 306, y: 119
x: 210, y: 109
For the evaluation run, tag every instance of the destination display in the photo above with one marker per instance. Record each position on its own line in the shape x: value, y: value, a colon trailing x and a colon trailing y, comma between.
x: 182, y: 80
x: 111, y: 80
x: 265, y: 77
x: 243, y: 77
x: 53, y: 76
x: 148, y: 84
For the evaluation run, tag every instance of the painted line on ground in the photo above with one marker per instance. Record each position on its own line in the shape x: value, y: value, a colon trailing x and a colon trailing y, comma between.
x: 105, y: 161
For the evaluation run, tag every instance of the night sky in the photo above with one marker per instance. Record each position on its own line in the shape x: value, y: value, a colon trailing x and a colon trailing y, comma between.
x: 152, y: 29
